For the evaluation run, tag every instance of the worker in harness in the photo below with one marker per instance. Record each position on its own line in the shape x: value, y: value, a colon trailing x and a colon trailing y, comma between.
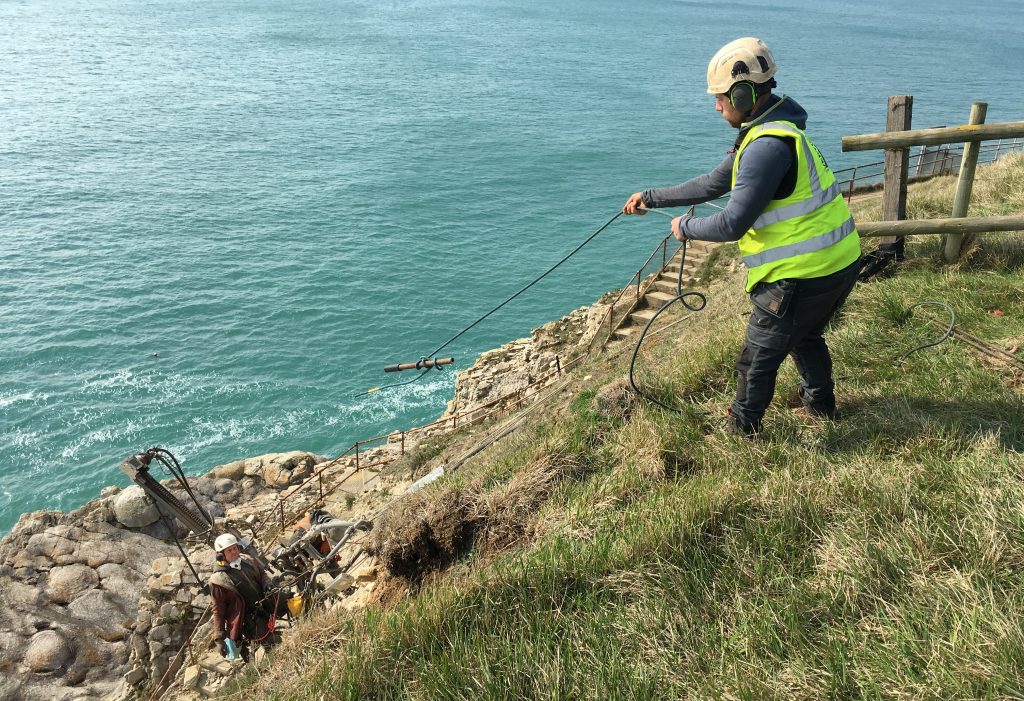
x: 243, y: 602
x: 795, y: 233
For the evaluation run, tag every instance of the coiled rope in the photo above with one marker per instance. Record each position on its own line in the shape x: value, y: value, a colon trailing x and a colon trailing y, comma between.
x: 681, y: 297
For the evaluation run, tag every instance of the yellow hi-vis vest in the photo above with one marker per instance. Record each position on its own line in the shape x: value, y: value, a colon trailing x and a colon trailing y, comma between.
x: 806, y: 235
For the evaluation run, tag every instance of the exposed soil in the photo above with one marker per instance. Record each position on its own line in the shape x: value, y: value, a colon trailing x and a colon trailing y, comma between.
x: 428, y: 532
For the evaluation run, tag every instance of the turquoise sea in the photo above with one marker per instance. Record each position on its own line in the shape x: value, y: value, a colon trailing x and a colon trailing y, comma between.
x: 219, y: 220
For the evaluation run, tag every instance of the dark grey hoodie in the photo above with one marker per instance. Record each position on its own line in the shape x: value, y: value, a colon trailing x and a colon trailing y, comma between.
x: 766, y: 172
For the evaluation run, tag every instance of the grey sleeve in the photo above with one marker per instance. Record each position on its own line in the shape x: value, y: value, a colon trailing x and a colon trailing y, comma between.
x: 695, y: 190
x: 764, y: 164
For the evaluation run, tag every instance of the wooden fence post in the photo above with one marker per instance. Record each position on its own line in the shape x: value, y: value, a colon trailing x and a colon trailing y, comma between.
x: 894, y: 192
x: 965, y: 183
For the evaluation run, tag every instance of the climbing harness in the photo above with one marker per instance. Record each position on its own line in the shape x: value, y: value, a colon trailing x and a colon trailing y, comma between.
x: 947, y: 334
x: 428, y: 360
x: 272, y: 621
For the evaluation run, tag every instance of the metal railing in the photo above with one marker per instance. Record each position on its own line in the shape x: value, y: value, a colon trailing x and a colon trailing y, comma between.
x: 500, y: 405
x: 928, y: 162
x: 637, y: 277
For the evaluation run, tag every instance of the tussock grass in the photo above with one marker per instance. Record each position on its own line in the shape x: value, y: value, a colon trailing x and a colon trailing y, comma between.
x: 618, y: 551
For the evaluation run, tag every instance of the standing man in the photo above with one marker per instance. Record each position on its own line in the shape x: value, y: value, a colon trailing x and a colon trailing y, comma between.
x: 795, y: 233
x: 237, y: 591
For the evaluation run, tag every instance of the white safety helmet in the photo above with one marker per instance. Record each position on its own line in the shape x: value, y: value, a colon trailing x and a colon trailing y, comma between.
x: 747, y: 59
x: 224, y: 541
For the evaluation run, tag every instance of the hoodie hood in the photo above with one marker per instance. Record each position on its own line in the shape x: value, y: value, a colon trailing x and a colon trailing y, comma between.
x: 776, y: 109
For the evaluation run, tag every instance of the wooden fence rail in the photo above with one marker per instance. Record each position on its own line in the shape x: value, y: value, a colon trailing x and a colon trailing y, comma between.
x: 955, y: 225
x: 896, y: 141
x: 933, y: 137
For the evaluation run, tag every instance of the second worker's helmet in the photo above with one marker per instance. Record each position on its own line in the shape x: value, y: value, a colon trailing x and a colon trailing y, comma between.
x: 224, y: 541
x: 747, y: 59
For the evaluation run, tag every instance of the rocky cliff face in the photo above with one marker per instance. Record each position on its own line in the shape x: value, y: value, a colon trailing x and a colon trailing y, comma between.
x: 516, y: 366
x: 96, y: 602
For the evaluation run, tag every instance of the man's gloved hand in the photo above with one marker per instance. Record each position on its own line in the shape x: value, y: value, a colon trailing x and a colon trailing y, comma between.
x: 635, y: 204
x: 230, y: 651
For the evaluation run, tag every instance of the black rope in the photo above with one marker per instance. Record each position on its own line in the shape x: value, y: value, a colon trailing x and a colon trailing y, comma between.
x: 179, y: 475
x: 170, y: 462
x: 521, y: 291
x: 169, y: 525
x: 949, y: 331
x: 680, y: 297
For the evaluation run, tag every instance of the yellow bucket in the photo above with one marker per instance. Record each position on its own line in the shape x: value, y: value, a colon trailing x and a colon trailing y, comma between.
x: 295, y: 605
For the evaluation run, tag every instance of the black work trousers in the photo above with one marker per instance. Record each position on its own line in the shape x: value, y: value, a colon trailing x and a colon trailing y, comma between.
x: 789, y: 318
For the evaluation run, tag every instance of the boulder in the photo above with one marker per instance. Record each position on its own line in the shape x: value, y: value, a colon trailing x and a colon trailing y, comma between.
x: 47, y: 651
x: 52, y: 543
x: 253, y: 467
x: 227, y: 492
x: 22, y: 594
x: 122, y: 588
x: 287, y: 469
x: 66, y: 583
x: 118, y: 571
x: 233, y: 471
x: 12, y: 646
x: 134, y: 508
x: 123, y: 582
x: 136, y: 675
x: 103, y: 611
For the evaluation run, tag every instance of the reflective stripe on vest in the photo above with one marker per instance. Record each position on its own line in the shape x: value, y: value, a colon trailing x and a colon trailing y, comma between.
x: 798, y: 209
x: 829, y: 238
x: 797, y: 236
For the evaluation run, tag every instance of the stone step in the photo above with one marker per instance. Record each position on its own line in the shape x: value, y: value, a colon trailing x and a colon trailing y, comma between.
x: 626, y: 333
x: 207, y: 692
x: 692, y: 263
x: 218, y: 665
x: 642, y: 316
x: 668, y: 285
x: 656, y: 299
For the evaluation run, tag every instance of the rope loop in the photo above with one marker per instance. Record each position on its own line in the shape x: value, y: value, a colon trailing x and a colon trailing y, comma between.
x: 949, y: 331
x: 702, y: 300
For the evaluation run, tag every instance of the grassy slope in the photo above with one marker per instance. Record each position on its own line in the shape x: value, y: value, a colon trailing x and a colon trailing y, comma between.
x: 878, y: 557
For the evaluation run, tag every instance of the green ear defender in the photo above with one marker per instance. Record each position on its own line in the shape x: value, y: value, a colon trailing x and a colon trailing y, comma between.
x: 742, y: 96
